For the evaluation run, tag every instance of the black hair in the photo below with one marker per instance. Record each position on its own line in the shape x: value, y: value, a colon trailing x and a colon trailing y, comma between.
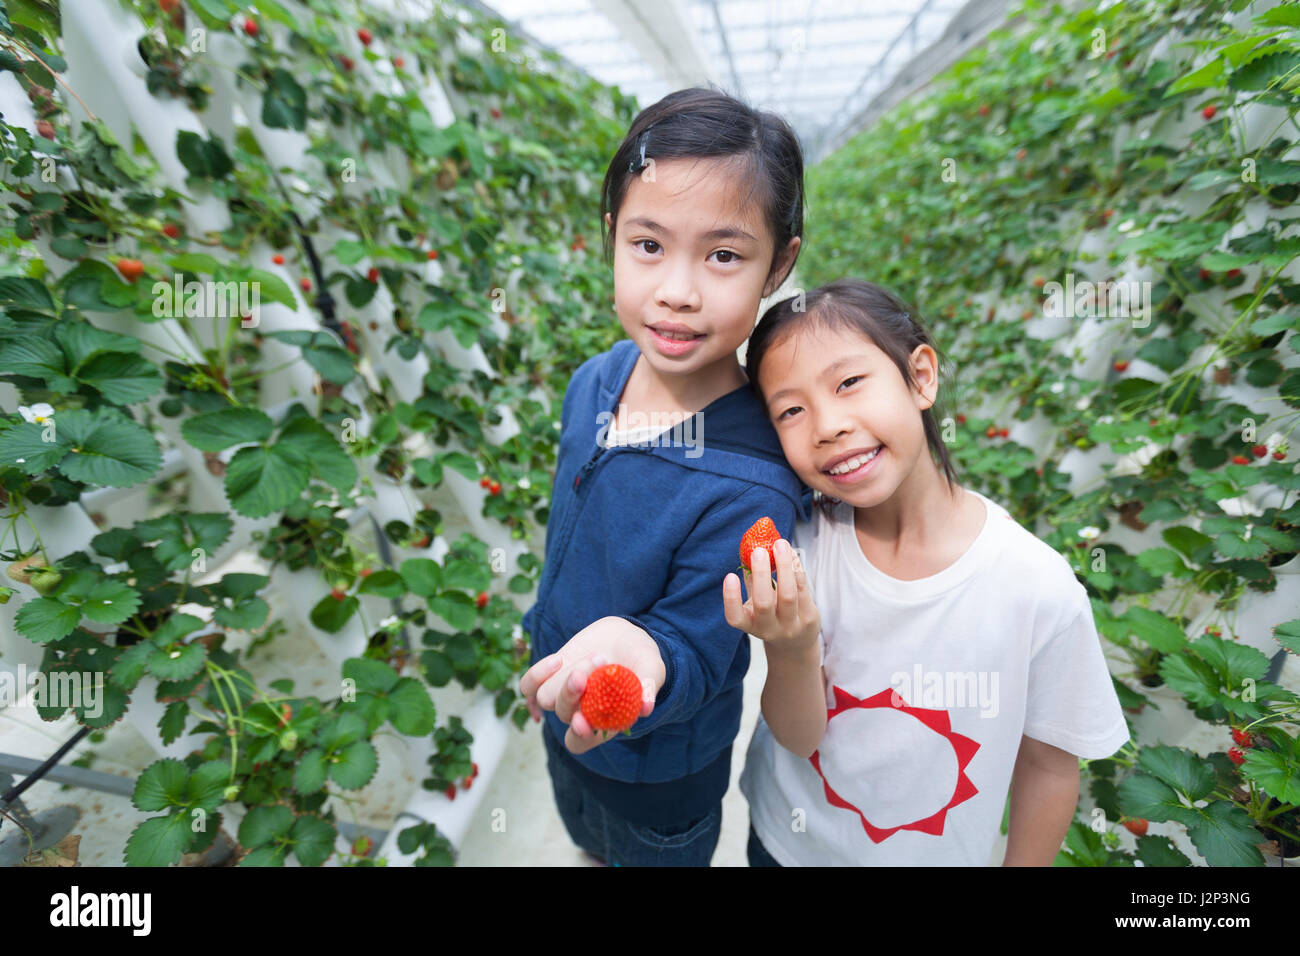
x: 869, y: 310
x: 699, y: 123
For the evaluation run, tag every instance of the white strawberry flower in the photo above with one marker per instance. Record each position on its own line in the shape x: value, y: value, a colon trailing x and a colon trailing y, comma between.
x: 1057, y: 388
x: 37, y: 414
x: 525, y: 483
x: 391, y: 621
x: 1089, y: 532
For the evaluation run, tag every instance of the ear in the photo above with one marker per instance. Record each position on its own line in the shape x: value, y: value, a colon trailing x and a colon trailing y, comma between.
x: 925, y: 370
x: 782, y: 269
x: 608, y: 223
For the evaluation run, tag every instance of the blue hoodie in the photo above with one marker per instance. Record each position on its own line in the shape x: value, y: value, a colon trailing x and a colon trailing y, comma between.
x: 647, y: 532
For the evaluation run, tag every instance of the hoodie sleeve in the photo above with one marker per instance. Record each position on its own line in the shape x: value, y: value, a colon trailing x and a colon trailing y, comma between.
x: 688, y: 622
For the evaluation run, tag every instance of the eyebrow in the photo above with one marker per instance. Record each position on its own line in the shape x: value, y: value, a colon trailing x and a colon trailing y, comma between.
x: 725, y: 233
x: 830, y: 371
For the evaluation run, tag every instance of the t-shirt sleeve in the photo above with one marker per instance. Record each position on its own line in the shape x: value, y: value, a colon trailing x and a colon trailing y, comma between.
x: 1071, y: 700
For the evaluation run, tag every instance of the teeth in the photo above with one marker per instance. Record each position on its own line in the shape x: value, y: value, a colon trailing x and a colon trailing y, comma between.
x: 676, y: 336
x: 853, y: 464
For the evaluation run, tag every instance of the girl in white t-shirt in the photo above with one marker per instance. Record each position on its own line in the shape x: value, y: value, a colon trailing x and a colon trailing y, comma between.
x: 928, y: 654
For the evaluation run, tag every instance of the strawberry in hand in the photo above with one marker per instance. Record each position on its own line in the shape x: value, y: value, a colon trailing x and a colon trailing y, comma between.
x: 788, y: 619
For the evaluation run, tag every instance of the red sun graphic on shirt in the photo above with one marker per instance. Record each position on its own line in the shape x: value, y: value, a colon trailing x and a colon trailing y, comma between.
x: 928, y: 764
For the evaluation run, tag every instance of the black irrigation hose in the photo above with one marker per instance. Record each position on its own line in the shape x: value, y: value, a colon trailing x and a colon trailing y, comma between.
x: 324, y: 301
x: 17, y: 790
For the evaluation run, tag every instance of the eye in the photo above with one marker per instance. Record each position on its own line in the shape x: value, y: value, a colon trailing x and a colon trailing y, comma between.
x: 851, y: 378
x: 640, y: 241
x: 793, y: 408
x: 727, y: 252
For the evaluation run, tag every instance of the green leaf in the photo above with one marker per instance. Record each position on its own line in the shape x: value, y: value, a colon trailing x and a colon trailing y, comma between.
x: 1288, y: 635
x: 1160, y: 851
x: 264, y: 824
x: 1155, y: 630
x: 467, y: 575
x: 1183, y: 770
x: 23, y: 293
x: 247, y: 615
x: 413, y: 711
x: 217, y: 431
x: 177, y: 663
x: 1274, y: 773
x: 371, y: 676
x: 272, y: 287
x: 172, y: 723
x: 357, y: 763
x: 1141, y: 795
x: 161, y: 785
x: 384, y: 582
x: 131, y: 665
x: 111, y: 602
x: 206, y: 785
x: 309, y: 775
x: 313, y: 840
x: 37, y: 358
x: 310, y: 440
x: 46, y: 619
x: 205, y: 159
x: 422, y: 576
x: 106, y: 448
x: 284, y: 104
x: 262, y: 480
x: 456, y: 609
x: 121, y: 379
x: 330, y: 615
x: 158, y: 842
x: 1225, y: 837
x: 349, y: 252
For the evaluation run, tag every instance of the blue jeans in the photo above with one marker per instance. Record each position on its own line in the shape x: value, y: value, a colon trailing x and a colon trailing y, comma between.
x: 757, y: 853
x: 620, y: 842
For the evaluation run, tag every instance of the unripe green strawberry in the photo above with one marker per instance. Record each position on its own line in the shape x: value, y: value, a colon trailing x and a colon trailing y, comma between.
x: 45, y: 581
x: 231, y: 793
x: 612, y: 700
x: 288, y: 740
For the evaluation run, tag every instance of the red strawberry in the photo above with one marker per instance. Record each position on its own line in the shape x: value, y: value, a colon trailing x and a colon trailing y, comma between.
x: 482, y: 599
x: 373, y: 274
x: 496, y: 113
x: 171, y: 230
x: 761, y: 534
x: 168, y: 5
x: 1213, y: 630
x: 398, y: 62
x: 474, y: 773
x: 451, y: 792
x: 494, y: 488
x: 1137, y: 826
x: 467, y: 783
x: 347, y: 63
x: 1259, y: 451
x: 1209, y: 112
x: 991, y: 432
x: 250, y: 26
x: 131, y: 269
x: 1240, y: 460
x: 278, y: 259
x: 305, y: 283
x: 423, y: 542
x: 1022, y: 153
x: 364, y: 36
x: 1004, y: 432
x: 961, y: 419
x: 1279, y: 454
x: 1121, y: 365
x: 484, y: 482
x: 366, y: 572
x: 1233, y: 273
x: 1236, y: 756
x: 45, y: 128
x: 612, y: 700
x: 433, y: 253
x: 984, y: 109
x: 1040, y: 282
x: 362, y: 845
x: 337, y: 595
x: 1205, y: 275
x: 1242, y: 737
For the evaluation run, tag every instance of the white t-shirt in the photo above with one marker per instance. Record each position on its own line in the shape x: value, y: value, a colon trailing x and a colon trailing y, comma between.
x: 999, y: 644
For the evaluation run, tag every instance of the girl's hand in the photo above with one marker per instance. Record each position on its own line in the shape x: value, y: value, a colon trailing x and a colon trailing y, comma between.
x: 785, y: 618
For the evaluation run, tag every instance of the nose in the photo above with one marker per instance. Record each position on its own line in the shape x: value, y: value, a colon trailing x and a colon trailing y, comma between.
x: 830, y: 421
x: 677, y: 288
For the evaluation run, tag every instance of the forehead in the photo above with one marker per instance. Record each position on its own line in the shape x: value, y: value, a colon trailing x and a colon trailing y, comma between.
x: 802, y: 355
x: 693, y: 195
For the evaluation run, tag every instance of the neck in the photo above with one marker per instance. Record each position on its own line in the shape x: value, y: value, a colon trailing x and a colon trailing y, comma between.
x: 694, y: 391
x: 921, y: 510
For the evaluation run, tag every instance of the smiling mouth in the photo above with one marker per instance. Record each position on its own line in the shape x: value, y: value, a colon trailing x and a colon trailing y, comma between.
x: 853, y: 464
x: 675, y: 336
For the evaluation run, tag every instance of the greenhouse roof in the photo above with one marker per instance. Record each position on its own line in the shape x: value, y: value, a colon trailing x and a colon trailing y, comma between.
x: 816, y: 62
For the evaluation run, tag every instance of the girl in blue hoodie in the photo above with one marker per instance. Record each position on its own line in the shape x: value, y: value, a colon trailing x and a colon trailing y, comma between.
x: 665, y: 460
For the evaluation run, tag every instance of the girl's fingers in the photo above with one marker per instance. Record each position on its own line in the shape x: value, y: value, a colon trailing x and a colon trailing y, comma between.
x: 786, y: 590
x: 536, y: 675
x: 732, y: 609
